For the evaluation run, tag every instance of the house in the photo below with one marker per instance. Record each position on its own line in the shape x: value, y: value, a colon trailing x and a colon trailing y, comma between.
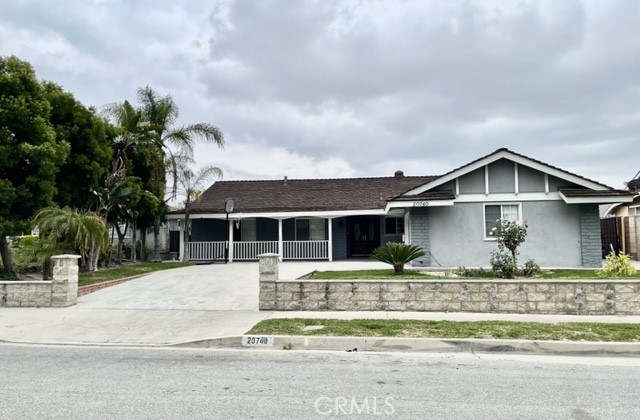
x: 450, y: 216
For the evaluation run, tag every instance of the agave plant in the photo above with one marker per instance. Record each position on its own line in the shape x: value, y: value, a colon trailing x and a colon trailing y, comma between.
x: 397, y: 254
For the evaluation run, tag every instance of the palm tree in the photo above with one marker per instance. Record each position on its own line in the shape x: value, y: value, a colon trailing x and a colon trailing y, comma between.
x: 159, y: 115
x: 85, y: 232
x: 190, y: 185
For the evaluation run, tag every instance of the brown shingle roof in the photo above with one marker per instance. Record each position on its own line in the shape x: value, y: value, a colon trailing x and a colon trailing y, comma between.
x: 306, y: 194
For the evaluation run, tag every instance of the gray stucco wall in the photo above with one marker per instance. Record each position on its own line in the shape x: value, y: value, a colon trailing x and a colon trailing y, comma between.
x: 339, y: 231
x: 456, y: 235
x: 502, y: 177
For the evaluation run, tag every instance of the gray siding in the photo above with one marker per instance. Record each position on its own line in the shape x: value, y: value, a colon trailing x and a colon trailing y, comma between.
x: 590, y: 235
x: 502, y: 177
x: 556, y: 183
x: 530, y: 180
x: 447, y: 186
x: 472, y: 183
x: 339, y: 231
x: 420, y: 233
x: 204, y: 230
x: 456, y: 235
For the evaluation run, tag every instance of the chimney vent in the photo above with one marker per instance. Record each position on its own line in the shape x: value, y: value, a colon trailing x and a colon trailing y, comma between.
x: 286, y: 178
x: 399, y: 174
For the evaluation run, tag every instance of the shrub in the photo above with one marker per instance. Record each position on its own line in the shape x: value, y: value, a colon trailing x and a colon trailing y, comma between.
x: 471, y: 272
x: 397, y: 254
x: 617, y: 266
x: 510, y: 234
x: 530, y: 268
x: 502, y: 264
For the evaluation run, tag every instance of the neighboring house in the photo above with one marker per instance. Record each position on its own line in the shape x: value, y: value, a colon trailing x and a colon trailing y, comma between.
x: 450, y: 216
x: 626, y: 228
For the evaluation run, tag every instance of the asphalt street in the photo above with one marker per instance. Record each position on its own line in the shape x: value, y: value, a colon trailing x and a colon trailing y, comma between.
x: 67, y: 382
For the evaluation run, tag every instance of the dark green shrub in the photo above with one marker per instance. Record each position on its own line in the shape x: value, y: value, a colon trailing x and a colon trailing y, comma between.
x: 397, y: 254
x: 530, y: 268
x: 502, y: 264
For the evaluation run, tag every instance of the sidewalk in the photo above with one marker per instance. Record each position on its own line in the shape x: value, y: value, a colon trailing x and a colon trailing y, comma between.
x: 82, y: 325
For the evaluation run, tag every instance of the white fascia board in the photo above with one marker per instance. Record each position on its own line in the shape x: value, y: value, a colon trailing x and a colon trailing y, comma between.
x: 506, y: 197
x: 418, y: 203
x: 287, y: 215
x: 595, y: 200
x: 515, y: 158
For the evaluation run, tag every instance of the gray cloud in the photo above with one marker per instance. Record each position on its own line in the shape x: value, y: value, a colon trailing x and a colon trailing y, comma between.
x: 360, y: 87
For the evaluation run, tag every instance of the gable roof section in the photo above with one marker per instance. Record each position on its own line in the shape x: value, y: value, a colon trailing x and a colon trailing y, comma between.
x: 515, y: 157
x: 306, y: 194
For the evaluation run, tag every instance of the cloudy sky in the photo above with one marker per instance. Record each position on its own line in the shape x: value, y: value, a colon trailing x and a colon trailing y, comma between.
x: 359, y: 88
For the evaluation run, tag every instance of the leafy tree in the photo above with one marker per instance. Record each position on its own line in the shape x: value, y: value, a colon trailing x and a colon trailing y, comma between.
x: 509, y: 234
x: 90, y: 139
x: 85, y: 232
x: 397, y: 254
x: 160, y: 114
x: 190, y: 185
x: 30, y: 156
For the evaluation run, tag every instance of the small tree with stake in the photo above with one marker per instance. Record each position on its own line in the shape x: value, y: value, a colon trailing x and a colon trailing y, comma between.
x: 397, y: 254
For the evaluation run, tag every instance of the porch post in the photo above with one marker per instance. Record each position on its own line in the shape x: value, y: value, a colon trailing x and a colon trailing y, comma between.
x: 230, y: 240
x: 180, y: 242
x: 330, y: 250
x: 280, y: 244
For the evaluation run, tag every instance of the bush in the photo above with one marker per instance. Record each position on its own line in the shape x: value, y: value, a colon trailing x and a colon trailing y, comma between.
x: 617, y: 266
x: 397, y: 254
x: 530, y: 268
x: 471, y: 272
x: 502, y: 264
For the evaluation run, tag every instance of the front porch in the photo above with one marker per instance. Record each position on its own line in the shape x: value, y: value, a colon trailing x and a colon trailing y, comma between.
x: 294, y: 239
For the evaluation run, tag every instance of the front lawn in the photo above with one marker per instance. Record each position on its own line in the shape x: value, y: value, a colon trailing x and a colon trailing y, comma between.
x: 451, y: 329
x: 127, y: 270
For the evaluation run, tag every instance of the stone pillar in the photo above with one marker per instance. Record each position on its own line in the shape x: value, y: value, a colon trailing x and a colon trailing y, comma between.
x: 64, y: 289
x: 268, y: 275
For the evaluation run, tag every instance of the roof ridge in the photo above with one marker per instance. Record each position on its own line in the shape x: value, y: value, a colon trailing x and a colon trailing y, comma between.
x: 329, y: 179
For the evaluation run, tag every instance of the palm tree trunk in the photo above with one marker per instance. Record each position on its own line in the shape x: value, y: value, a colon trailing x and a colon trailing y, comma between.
x: 156, y: 242
x: 185, y: 232
x: 7, y: 260
x: 143, y: 246
x: 134, y: 239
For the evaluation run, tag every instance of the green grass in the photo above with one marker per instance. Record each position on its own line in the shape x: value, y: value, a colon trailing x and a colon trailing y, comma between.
x: 126, y: 271
x: 412, y: 274
x: 452, y: 329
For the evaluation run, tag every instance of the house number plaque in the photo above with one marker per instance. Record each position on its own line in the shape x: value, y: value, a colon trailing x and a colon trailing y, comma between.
x: 420, y: 204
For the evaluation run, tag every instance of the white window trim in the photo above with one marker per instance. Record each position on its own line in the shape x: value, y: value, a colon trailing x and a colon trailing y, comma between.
x: 484, y: 216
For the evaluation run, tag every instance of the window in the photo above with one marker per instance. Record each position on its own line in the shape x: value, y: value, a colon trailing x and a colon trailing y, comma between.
x: 310, y: 230
x: 393, y: 225
x: 493, y: 212
x: 248, y: 230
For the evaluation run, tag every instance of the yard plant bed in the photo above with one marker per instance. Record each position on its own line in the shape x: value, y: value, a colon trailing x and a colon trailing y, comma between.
x: 425, y: 275
x: 451, y: 329
x: 124, y: 271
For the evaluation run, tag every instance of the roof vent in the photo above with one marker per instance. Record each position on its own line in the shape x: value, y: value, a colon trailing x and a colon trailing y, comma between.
x: 286, y: 178
x: 399, y: 174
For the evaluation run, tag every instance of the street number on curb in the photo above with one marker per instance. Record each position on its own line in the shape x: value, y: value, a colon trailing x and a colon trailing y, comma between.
x: 256, y: 341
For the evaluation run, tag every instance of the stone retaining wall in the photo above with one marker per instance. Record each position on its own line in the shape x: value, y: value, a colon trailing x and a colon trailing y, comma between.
x: 580, y: 297
x: 62, y: 291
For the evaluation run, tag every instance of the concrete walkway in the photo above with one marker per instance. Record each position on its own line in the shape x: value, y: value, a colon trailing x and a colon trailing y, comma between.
x: 199, y: 303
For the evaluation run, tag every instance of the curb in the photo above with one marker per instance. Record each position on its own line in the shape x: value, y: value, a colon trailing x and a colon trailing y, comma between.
x: 94, y: 287
x: 429, y: 345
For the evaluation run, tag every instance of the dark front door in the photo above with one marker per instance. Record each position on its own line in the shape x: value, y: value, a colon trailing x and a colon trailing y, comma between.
x: 363, y: 233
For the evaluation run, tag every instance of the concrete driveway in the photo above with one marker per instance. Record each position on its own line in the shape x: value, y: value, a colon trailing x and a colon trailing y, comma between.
x: 209, y: 287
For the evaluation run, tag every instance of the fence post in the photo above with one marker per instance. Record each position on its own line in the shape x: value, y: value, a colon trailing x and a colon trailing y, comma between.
x: 64, y: 288
x: 268, y: 275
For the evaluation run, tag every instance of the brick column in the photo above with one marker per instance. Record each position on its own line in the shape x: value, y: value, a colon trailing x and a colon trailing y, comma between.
x: 590, y: 240
x: 268, y: 275
x: 64, y: 289
x: 419, y: 219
